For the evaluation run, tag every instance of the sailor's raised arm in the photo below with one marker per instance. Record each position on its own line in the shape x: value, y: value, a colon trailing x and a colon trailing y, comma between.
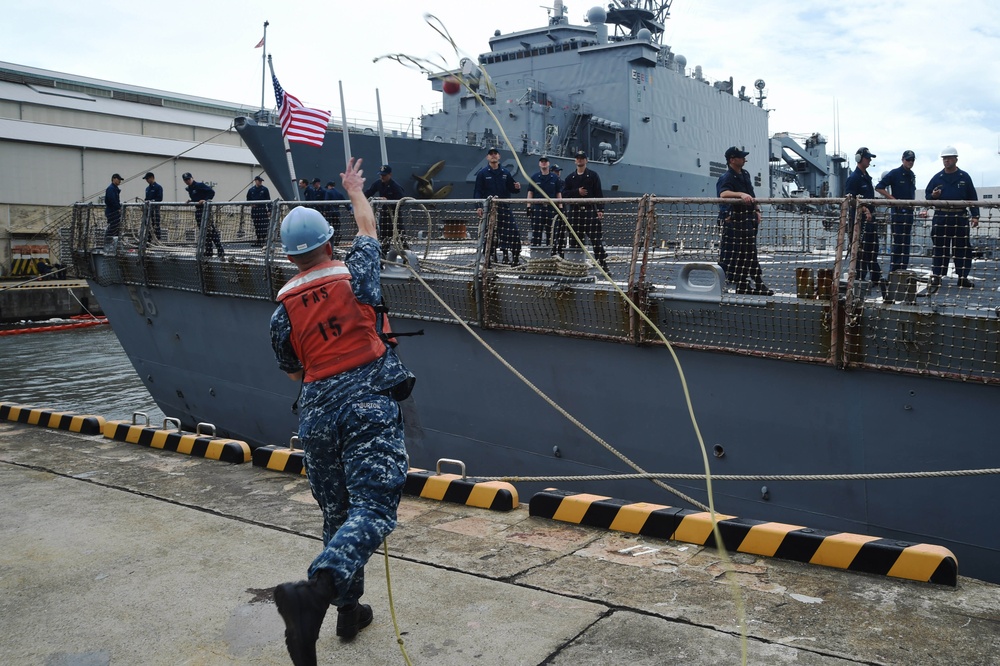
x: 354, y: 182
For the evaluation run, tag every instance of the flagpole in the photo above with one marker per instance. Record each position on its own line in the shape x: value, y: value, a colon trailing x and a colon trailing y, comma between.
x: 288, y: 150
x: 343, y: 117
x: 263, y: 67
x: 381, y: 131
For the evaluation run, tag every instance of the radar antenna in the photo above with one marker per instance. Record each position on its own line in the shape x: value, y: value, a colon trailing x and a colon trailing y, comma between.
x: 631, y: 16
x: 759, y: 85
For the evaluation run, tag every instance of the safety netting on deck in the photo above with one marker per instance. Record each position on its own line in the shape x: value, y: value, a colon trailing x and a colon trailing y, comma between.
x: 804, y: 282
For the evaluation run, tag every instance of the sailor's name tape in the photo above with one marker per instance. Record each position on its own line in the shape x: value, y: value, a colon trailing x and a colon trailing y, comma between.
x: 854, y: 552
x: 192, y: 444
x: 86, y: 424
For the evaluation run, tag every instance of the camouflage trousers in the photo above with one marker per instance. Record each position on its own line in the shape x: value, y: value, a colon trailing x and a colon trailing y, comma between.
x: 356, y: 465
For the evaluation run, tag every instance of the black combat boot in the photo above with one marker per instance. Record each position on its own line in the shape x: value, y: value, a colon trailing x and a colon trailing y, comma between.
x: 352, y: 619
x: 302, y: 606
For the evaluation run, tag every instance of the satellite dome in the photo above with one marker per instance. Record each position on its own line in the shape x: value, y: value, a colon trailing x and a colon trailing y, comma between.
x: 644, y: 35
x: 596, y: 15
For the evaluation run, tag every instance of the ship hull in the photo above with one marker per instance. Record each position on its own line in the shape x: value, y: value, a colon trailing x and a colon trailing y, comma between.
x: 208, y: 359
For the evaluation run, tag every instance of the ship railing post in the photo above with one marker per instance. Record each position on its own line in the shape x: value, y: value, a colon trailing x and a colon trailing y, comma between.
x: 836, y: 313
x: 645, y: 223
x: 853, y: 303
x: 487, y: 248
x: 273, y: 275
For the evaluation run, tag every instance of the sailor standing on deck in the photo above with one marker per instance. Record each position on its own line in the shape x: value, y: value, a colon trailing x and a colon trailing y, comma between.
x: 740, y: 221
x: 900, y: 183
x: 260, y: 214
x: 859, y: 184
x: 154, y: 193
x: 494, y: 180
x: 385, y: 188
x: 585, y: 218
x: 950, y: 228
x: 327, y: 330
x: 113, y: 208
x: 199, y: 193
x: 541, y: 214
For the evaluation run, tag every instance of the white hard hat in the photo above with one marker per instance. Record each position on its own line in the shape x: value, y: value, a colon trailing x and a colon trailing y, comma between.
x: 304, y: 229
x: 949, y: 151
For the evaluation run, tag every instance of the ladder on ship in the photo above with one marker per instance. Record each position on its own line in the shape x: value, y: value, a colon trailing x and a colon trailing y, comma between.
x: 579, y: 119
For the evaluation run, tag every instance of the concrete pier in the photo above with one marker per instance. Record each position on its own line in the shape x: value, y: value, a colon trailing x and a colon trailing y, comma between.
x: 114, y: 553
x: 44, y: 299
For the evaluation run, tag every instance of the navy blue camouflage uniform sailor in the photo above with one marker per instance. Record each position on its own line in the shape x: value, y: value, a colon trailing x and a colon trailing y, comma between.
x: 352, y: 434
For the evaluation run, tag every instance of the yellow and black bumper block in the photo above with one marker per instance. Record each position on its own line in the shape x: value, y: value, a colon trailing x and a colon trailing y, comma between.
x: 494, y: 495
x: 280, y: 459
x: 86, y: 425
x: 841, y: 550
x: 202, y: 446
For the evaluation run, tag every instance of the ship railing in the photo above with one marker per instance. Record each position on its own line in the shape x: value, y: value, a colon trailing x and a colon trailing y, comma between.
x: 663, y: 253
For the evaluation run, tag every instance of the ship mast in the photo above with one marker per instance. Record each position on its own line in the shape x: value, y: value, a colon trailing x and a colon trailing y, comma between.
x: 631, y: 16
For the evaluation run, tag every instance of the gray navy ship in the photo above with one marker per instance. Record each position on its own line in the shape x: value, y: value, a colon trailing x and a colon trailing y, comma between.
x: 824, y: 376
x: 611, y: 89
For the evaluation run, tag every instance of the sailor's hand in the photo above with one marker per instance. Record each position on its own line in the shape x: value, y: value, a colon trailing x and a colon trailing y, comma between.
x: 936, y: 194
x: 583, y: 191
x: 600, y: 215
x: 353, y: 177
x: 517, y: 186
x: 746, y: 198
x: 974, y: 222
x: 479, y: 212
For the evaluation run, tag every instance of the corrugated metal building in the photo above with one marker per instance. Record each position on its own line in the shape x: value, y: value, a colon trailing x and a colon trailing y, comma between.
x: 62, y: 136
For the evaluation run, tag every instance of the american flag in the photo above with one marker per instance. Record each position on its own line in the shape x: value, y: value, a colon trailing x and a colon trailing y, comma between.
x: 299, y: 123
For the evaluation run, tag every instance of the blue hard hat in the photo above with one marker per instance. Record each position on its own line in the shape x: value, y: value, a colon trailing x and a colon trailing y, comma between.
x: 304, y: 229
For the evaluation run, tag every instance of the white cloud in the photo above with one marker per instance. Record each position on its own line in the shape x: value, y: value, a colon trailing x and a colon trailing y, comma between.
x: 915, y: 74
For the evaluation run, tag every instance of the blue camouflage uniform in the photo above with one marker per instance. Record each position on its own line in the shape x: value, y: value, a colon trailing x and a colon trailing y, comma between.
x: 859, y: 184
x: 541, y: 211
x: 352, y: 434
x: 902, y: 184
x: 500, y: 184
x: 113, y: 210
x: 950, y: 227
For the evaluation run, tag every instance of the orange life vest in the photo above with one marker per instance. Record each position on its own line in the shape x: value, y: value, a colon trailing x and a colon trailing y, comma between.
x: 332, y: 331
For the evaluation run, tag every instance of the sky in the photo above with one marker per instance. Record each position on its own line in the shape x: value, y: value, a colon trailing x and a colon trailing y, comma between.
x: 887, y: 75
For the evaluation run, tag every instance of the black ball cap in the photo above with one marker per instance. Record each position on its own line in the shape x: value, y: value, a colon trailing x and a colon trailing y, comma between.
x: 733, y: 151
